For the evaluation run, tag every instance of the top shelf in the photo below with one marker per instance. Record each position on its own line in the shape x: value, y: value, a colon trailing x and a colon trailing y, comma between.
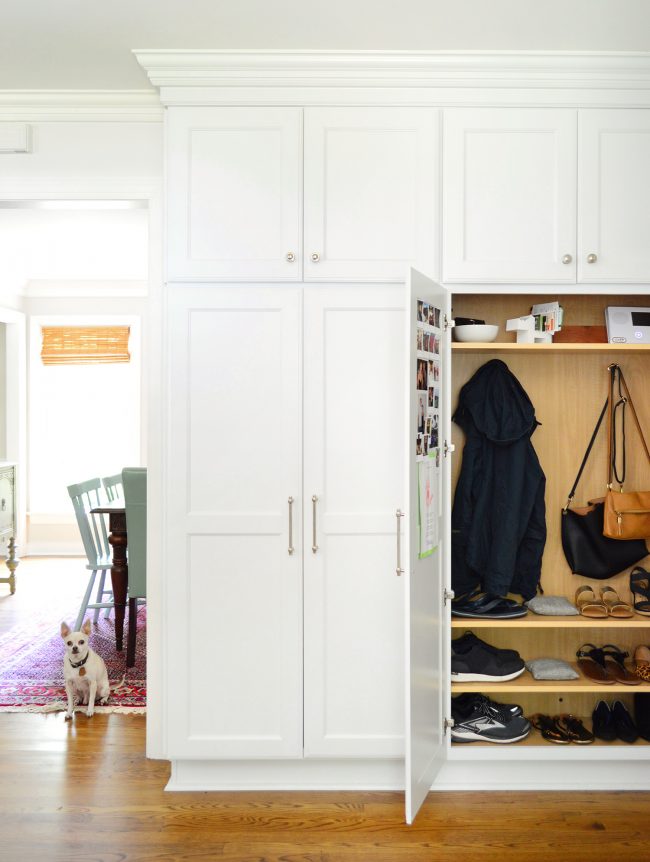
x: 513, y: 347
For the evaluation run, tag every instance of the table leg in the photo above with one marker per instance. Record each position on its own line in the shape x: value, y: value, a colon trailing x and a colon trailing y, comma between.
x: 119, y: 572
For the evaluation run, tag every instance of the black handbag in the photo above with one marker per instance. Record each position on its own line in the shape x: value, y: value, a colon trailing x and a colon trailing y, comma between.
x: 587, y: 551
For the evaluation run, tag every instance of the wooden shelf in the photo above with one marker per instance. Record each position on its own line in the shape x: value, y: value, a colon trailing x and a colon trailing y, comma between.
x: 527, y: 684
x: 535, y: 738
x: 536, y: 621
x: 513, y: 347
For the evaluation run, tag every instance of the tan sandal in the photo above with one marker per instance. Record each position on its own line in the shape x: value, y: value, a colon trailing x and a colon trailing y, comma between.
x: 615, y: 607
x: 588, y: 604
x: 642, y: 660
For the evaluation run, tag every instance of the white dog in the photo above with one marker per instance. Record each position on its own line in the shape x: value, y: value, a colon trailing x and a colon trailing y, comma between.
x: 84, y: 671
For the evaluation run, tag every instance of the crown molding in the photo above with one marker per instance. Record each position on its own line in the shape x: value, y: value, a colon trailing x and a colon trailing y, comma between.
x: 133, y: 106
x: 367, y: 69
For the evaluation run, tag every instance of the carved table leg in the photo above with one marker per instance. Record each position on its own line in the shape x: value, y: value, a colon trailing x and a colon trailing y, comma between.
x: 119, y: 572
x: 12, y: 564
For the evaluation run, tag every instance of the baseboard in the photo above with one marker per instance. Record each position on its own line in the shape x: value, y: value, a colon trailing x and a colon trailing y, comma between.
x: 287, y: 775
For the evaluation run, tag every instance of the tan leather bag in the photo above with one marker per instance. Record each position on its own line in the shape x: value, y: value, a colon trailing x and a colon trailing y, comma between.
x: 627, y: 513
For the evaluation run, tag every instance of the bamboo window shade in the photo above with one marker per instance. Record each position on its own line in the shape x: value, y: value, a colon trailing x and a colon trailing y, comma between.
x: 85, y: 345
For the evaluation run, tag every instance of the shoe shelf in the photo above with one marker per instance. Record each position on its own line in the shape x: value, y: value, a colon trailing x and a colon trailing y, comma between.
x: 527, y: 684
x: 513, y: 347
x: 551, y: 749
x: 535, y: 621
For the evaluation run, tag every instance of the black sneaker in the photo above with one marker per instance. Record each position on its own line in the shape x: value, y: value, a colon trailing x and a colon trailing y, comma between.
x: 476, y: 661
x: 467, y: 698
x: 625, y: 727
x: 603, y: 722
x: 485, y: 721
x: 469, y: 639
x: 642, y: 715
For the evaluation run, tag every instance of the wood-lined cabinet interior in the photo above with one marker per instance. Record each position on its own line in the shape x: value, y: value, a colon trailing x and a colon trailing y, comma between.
x: 568, y: 385
x: 546, y: 195
x: 241, y: 182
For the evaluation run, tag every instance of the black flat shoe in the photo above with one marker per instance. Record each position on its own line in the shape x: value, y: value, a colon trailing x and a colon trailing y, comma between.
x: 625, y: 727
x: 640, y: 586
x: 487, y: 607
x: 603, y: 722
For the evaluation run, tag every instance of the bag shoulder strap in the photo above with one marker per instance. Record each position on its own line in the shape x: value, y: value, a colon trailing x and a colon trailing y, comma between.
x: 626, y: 398
x: 587, y: 453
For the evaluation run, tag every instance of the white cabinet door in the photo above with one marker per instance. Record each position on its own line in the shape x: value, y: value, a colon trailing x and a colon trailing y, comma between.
x: 233, y: 588
x: 371, y: 192
x: 509, y: 199
x: 614, y: 196
x: 234, y: 193
x: 427, y: 533
x: 353, y: 483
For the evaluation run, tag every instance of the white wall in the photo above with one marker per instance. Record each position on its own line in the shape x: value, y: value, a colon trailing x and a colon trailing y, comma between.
x: 3, y: 391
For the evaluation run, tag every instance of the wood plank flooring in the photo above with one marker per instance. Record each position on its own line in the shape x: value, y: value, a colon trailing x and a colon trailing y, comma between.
x: 83, y: 791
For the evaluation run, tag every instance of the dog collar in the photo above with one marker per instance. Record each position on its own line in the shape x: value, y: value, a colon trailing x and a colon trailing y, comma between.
x: 79, y: 663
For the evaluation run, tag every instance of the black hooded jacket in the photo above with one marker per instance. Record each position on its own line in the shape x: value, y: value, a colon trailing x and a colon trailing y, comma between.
x: 498, y: 519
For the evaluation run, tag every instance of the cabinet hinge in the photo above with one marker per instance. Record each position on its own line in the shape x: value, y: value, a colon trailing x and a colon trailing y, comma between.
x: 449, y: 323
x: 448, y: 595
x: 449, y: 723
x: 448, y: 448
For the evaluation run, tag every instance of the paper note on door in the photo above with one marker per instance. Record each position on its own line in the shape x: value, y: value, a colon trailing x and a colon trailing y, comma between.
x: 428, y: 494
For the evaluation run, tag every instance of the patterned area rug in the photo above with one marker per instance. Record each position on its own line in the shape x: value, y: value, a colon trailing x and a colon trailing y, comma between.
x: 31, y: 666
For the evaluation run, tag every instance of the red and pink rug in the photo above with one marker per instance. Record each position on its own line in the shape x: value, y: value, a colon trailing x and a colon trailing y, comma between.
x: 31, y: 666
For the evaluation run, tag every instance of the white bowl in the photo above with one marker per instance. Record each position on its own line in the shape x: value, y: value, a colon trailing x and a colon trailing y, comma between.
x: 476, y: 332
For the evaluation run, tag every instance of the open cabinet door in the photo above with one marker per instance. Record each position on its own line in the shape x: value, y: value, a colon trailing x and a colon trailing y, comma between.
x: 426, y: 530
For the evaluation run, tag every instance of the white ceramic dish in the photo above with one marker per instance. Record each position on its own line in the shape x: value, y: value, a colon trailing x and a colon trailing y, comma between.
x: 476, y: 332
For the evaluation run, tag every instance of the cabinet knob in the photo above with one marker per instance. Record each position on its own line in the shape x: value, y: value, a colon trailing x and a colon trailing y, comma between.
x: 592, y: 258
x: 291, y: 256
x: 315, y: 257
x: 567, y: 258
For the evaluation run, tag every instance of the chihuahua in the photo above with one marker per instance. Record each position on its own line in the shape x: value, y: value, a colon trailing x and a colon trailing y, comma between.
x: 84, y: 671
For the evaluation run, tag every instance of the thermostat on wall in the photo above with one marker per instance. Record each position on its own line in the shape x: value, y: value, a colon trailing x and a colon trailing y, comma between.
x: 628, y: 325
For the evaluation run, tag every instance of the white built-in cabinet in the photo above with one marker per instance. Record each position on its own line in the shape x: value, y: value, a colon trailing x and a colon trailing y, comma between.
x: 285, y: 475
x: 553, y: 195
x: 235, y: 202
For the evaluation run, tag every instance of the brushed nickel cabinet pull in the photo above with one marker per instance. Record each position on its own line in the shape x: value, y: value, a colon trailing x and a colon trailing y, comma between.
x: 399, y: 570
x: 314, y: 546
x: 290, y: 549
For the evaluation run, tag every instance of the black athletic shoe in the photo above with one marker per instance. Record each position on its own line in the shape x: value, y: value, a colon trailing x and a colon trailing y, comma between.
x: 485, y: 721
x: 467, y: 698
x: 642, y: 715
x: 625, y: 727
x: 603, y: 722
x: 469, y: 639
x: 476, y: 661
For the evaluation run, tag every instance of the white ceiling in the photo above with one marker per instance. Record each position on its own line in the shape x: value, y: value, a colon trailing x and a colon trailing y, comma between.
x: 86, y: 44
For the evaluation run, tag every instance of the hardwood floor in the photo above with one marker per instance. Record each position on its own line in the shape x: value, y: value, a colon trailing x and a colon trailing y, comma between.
x: 83, y: 791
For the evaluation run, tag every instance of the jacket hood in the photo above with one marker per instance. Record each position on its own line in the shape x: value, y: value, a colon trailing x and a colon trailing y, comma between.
x: 495, y: 402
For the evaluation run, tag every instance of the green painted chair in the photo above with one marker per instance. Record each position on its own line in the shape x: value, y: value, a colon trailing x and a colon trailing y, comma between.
x: 113, y: 487
x: 134, y: 481
x: 94, y: 535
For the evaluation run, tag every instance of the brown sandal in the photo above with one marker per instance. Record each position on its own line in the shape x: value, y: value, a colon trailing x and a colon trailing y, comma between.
x: 591, y: 662
x: 615, y: 607
x: 615, y: 665
x: 589, y: 605
x: 642, y: 659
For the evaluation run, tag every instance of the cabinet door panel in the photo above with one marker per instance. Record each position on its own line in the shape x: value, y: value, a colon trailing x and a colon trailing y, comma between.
x: 509, y: 178
x: 370, y: 192
x: 353, y: 431
x: 233, y: 591
x: 614, y: 191
x: 234, y: 189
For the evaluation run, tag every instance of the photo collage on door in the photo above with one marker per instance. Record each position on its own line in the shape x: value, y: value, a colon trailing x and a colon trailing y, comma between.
x: 427, y: 442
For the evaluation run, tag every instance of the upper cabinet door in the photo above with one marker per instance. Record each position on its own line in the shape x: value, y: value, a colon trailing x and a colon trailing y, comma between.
x: 371, y: 190
x: 614, y: 196
x: 234, y: 193
x: 509, y: 203
x: 423, y: 558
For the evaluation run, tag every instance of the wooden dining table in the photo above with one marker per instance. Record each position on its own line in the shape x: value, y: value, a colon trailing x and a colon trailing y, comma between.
x: 120, y: 571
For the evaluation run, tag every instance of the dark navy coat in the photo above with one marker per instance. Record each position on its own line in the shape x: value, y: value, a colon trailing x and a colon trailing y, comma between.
x: 499, y: 517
